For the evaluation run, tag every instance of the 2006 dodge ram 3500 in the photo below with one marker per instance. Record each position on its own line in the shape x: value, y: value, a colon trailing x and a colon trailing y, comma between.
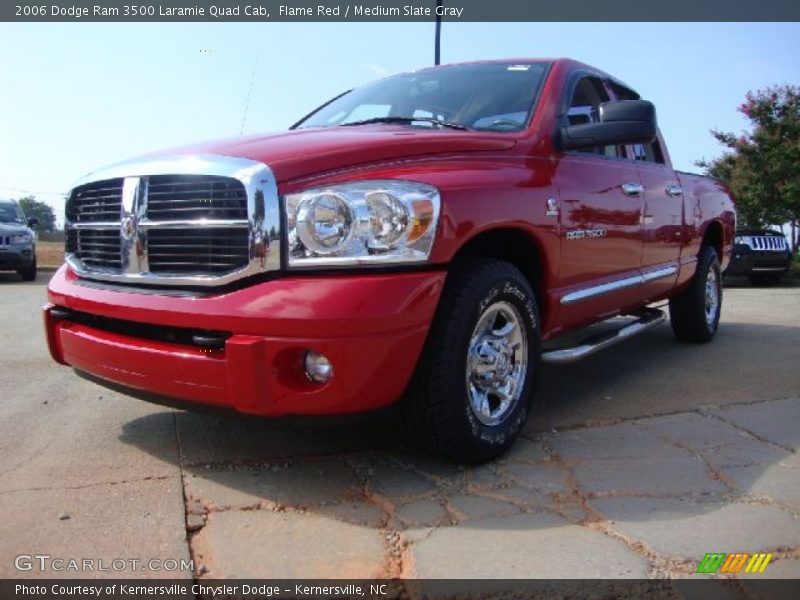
x: 416, y: 239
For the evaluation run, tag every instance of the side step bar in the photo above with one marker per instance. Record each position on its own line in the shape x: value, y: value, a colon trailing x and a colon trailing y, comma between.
x: 647, y: 318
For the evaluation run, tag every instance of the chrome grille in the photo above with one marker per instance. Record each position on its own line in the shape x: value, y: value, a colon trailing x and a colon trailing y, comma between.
x: 184, y: 220
x: 98, y: 202
x: 208, y: 250
x: 179, y: 197
x: 96, y: 248
x: 767, y: 242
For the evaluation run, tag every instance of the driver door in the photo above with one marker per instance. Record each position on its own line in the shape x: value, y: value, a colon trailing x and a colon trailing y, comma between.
x: 600, y: 211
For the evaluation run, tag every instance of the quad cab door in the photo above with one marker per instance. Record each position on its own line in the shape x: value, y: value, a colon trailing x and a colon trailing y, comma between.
x: 662, y: 220
x: 662, y: 210
x: 600, y: 210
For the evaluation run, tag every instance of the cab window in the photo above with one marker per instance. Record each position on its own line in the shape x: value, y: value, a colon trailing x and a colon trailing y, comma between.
x: 648, y: 152
x: 641, y: 152
x: 584, y: 107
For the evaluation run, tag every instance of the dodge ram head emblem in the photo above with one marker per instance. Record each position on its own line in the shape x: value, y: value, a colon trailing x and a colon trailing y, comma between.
x: 128, y: 227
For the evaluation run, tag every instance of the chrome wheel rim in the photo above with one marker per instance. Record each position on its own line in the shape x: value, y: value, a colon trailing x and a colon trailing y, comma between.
x: 712, y: 297
x: 497, y: 363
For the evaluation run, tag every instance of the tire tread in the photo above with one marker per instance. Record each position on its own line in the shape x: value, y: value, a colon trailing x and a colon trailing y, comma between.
x: 424, y: 408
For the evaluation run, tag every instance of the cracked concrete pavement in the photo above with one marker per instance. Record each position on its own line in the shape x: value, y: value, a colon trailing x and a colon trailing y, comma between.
x: 636, y: 463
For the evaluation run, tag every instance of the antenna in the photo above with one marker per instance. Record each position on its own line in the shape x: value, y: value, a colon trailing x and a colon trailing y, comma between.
x: 249, y: 91
x: 437, y: 50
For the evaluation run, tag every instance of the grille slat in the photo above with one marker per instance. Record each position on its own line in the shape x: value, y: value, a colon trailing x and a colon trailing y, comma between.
x: 767, y: 243
x: 98, y: 251
x: 96, y: 248
x: 201, y: 251
x: 210, y: 212
x: 161, y: 256
x: 100, y: 201
x: 100, y: 245
x: 195, y: 197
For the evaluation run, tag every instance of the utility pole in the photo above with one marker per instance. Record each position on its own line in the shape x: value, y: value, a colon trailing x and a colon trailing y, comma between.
x: 437, y: 49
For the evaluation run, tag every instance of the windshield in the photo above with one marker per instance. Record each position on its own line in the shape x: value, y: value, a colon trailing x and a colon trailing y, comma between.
x: 9, y: 213
x: 488, y: 97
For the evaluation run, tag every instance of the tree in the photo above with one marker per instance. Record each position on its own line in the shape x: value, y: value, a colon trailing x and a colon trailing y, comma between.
x: 44, y: 212
x: 762, y: 166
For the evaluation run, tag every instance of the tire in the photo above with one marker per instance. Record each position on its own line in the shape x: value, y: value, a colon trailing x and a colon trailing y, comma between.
x: 28, y: 273
x: 694, y: 313
x: 442, y: 406
x: 758, y: 279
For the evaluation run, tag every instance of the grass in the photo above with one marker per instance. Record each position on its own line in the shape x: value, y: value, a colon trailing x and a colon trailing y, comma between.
x: 49, y: 254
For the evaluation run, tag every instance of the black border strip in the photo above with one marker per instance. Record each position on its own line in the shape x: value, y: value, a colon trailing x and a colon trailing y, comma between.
x: 254, y: 11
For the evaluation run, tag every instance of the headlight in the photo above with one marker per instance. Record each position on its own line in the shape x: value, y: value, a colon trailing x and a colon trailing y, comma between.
x: 362, y: 222
x: 25, y: 238
x: 740, y: 239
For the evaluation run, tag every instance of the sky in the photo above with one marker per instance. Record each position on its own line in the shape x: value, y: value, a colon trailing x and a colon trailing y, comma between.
x: 77, y: 96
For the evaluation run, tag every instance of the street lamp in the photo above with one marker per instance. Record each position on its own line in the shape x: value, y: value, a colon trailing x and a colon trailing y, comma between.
x: 437, y: 51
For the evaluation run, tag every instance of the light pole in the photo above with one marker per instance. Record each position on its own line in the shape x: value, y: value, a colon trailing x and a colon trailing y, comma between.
x: 437, y: 50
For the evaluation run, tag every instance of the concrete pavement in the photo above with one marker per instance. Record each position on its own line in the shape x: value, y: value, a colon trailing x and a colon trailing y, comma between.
x: 637, y: 462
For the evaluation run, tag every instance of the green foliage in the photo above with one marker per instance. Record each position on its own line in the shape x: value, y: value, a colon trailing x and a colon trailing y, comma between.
x: 762, y: 166
x: 33, y: 208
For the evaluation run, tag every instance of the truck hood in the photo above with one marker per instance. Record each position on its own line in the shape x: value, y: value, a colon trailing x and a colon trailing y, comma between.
x: 302, y: 152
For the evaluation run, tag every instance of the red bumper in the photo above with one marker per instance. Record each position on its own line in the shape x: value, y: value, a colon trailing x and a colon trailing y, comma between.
x: 371, y: 327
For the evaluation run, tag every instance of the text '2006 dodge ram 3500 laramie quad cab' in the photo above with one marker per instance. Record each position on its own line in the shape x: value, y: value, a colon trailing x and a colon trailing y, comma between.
x: 415, y: 239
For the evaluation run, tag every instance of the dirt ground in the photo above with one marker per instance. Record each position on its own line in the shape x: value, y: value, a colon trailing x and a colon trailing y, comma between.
x: 637, y: 462
x: 49, y: 254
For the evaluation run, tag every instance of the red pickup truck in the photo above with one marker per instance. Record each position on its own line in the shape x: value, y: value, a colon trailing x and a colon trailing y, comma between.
x: 417, y: 240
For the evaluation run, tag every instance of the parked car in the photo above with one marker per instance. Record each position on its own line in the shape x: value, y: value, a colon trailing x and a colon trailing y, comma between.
x: 415, y: 240
x: 762, y: 255
x: 17, y: 240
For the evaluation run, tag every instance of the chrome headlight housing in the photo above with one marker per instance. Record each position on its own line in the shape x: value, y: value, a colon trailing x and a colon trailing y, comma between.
x: 361, y: 222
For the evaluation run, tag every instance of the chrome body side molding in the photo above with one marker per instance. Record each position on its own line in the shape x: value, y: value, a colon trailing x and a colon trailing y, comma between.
x: 619, y: 284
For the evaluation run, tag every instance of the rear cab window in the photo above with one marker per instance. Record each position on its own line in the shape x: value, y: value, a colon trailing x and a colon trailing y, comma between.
x: 639, y: 152
x: 584, y: 107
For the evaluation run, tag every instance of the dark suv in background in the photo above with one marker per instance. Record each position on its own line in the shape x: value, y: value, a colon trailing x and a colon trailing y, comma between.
x: 762, y: 255
x: 17, y: 241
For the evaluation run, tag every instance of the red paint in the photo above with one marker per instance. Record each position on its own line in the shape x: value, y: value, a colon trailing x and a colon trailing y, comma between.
x: 373, y: 326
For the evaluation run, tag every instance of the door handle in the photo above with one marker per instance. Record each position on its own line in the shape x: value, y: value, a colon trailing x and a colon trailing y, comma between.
x: 632, y: 189
x: 674, y: 190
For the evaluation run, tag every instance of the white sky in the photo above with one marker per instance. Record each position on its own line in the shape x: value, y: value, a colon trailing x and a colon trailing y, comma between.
x: 76, y: 96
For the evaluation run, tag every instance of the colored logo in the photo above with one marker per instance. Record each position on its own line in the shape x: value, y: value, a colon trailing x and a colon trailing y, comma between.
x: 720, y: 562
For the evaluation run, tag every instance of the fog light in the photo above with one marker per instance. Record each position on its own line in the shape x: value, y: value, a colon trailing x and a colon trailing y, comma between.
x: 318, y: 368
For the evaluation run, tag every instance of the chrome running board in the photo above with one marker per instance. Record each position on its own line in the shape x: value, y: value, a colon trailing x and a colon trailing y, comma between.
x: 647, y: 318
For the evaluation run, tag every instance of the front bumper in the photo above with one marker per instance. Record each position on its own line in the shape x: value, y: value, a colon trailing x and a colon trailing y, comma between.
x: 12, y: 259
x: 371, y: 326
x: 745, y: 261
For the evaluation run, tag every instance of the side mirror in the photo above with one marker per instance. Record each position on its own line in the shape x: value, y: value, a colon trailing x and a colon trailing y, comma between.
x: 33, y: 222
x: 623, y: 122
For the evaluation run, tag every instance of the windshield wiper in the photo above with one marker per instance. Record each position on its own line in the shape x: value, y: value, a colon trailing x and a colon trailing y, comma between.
x: 408, y: 120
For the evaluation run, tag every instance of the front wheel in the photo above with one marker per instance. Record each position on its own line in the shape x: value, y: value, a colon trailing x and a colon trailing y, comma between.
x: 694, y: 313
x: 472, y: 390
